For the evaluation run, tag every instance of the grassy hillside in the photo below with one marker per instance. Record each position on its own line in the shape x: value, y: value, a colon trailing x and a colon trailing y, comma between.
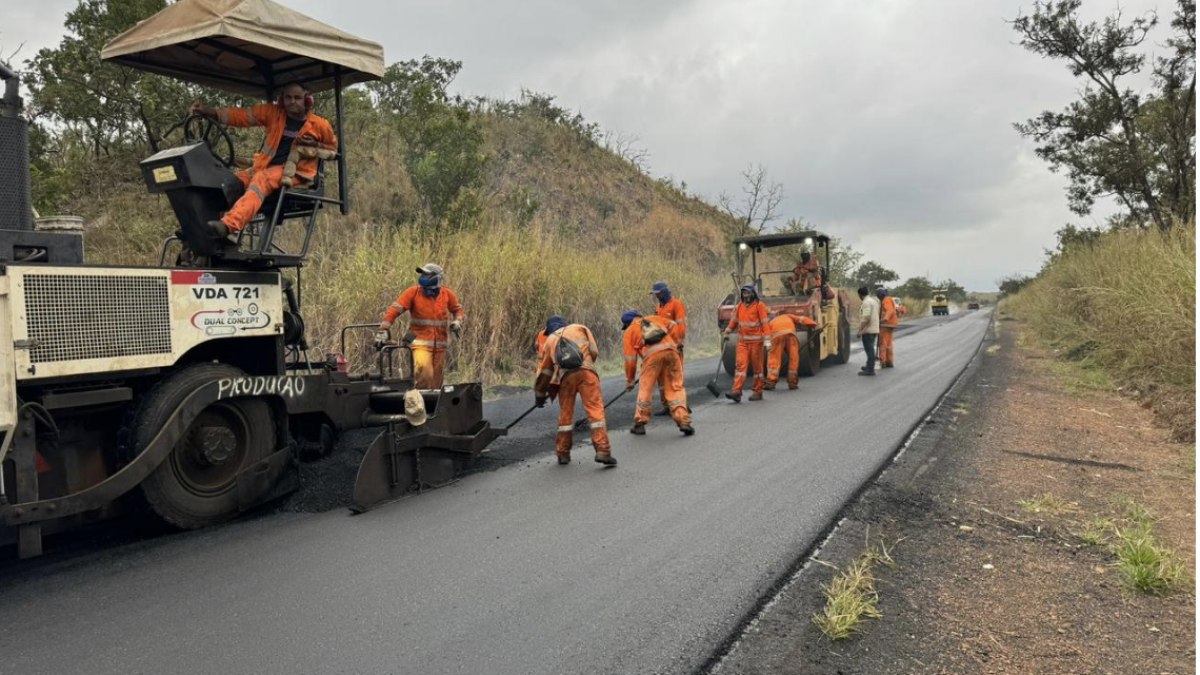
x: 1126, y: 305
x: 557, y: 224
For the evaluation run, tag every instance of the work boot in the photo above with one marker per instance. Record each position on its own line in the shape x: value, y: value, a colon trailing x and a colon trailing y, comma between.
x: 863, y: 368
x: 606, y: 459
x: 793, y: 385
x: 638, y: 430
x: 756, y: 396
x: 869, y: 373
x: 770, y: 386
x: 219, y: 229
x: 687, y: 429
x: 736, y: 398
x: 564, y: 459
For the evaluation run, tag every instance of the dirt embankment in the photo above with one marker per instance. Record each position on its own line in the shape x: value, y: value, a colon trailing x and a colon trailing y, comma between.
x: 1002, y: 520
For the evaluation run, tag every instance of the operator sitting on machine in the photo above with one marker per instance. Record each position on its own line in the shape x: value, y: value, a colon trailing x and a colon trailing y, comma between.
x: 296, y: 138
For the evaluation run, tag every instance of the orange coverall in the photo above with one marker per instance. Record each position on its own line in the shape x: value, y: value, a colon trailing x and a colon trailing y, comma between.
x: 675, y: 311
x: 750, y: 322
x: 264, y: 178
x: 807, y: 275
x: 583, y: 381
x: 782, y: 331
x: 660, y: 364
x: 430, y: 322
x: 889, y: 318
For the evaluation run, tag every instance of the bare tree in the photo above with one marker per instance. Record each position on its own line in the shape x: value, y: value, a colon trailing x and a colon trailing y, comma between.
x: 627, y: 148
x: 759, y: 204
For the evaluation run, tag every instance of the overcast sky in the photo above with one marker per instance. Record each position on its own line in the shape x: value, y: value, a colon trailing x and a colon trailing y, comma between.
x: 888, y: 122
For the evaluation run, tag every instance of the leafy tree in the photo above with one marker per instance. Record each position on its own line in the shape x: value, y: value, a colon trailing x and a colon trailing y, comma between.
x: 758, y: 206
x: 954, y: 291
x: 442, y: 141
x: 108, y: 105
x: 1113, y: 141
x: 915, y: 287
x: 873, y: 274
x: 1012, y: 283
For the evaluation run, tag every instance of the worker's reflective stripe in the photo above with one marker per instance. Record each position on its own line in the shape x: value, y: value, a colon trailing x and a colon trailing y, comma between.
x: 658, y: 348
x: 773, y: 371
x: 752, y: 338
x: 683, y: 320
x: 430, y: 343
x: 631, y: 358
x: 428, y: 322
x: 750, y: 323
x: 398, y: 307
x: 643, y: 404
x: 256, y: 190
x: 547, y: 371
x: 782, y: 332
x: 597, y: 425
x: 566, y: 428
x: 758, y: 376
x: 739, y: 373
x: 267, y: 149
x: 677, y: 403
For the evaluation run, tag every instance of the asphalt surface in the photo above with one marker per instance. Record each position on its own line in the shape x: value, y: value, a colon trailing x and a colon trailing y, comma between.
x: 527, y: 568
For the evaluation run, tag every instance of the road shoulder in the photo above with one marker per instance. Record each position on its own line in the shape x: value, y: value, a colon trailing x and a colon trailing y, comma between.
x: 991, y: 517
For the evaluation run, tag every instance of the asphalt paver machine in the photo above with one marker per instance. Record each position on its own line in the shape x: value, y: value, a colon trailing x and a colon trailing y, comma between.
x: 186, y: 391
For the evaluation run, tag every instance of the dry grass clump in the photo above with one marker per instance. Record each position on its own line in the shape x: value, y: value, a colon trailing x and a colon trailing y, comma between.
x: 850, y: 597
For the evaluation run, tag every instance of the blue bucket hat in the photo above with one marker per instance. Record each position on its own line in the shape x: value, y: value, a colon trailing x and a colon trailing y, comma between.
x: 628, y: 317
x: 554, y: 323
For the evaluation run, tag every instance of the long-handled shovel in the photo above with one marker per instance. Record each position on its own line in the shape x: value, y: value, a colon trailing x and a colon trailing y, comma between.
x: 712, y: 384
x: 523, y: 415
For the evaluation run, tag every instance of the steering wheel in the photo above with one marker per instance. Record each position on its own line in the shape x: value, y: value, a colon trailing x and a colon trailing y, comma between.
x: 198, y: 128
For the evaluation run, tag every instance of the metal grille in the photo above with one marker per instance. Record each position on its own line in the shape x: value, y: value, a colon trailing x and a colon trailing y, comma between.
x: 72, y: 317
x: 15, y: 212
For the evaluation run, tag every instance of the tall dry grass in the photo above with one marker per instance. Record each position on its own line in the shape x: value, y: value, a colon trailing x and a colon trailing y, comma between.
x: 1126, y: 304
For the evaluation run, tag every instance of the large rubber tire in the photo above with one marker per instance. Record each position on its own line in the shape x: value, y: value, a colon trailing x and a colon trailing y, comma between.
x: 810, y: 358
x: 193, y: 488
x: 729, y: 356
x: 843, y: 350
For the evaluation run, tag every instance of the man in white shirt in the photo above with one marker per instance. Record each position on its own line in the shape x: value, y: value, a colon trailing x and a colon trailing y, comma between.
x: 868, y: 328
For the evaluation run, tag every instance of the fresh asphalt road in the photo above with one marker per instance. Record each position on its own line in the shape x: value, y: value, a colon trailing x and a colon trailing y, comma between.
x: 530, y: 568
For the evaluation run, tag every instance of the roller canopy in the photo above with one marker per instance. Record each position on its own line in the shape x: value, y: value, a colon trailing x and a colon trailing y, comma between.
x: 245, y: 47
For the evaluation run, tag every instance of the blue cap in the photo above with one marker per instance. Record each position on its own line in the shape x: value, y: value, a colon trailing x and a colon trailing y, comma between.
x: 628, y: 317
x: 554, y: 323
x: 660, y: 287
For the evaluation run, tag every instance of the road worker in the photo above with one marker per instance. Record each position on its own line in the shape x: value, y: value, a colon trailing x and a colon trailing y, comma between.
x: 435, y: 310
x: 889, y: 318
x: 558, y: 375
x: 784, y: 340
x: 868, y: 328
x: 807, y: 275
x: 296, y: 139
x: 750, y: 321
x: 670, y: 307
x: 649, y: 337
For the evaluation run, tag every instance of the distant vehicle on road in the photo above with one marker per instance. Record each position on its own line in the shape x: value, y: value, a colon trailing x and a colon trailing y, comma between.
x: 972, y: 305
x: 940, y: 303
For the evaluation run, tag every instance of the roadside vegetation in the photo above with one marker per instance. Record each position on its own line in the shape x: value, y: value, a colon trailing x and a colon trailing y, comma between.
x: 850, y: 597
x: 1120, y: 299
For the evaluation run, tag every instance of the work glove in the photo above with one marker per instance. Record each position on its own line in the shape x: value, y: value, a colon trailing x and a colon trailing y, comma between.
x: 628, y: 386
x: 381, y: 337
x: 767, y: 344
x: 456, y: 328
x: 539, y: 400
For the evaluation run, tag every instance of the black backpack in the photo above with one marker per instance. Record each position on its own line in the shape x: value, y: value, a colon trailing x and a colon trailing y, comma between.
x: 567, y: 354
x: 652, y: 333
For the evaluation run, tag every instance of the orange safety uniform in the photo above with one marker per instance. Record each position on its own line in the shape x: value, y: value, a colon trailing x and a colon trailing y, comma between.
x: 315, y: 140
x: 750, y: 322
x: 782, y: 332
x: 807, y: 275
x: 660, y: 365
x: 552, y: 380
x: 889, y: 318
x: 674, y: 310
x: 430, y: 323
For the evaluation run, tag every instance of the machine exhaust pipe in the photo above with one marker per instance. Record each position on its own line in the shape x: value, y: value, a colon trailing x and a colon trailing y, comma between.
x: 16, y: 204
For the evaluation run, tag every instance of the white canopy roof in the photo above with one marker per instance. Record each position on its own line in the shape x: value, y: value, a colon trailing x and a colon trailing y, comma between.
x: 245, y: 46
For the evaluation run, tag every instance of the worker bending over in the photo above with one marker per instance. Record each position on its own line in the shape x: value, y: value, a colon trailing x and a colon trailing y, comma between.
x: 782, y: 332
x: 568, y: 367
x: 649, y: 337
